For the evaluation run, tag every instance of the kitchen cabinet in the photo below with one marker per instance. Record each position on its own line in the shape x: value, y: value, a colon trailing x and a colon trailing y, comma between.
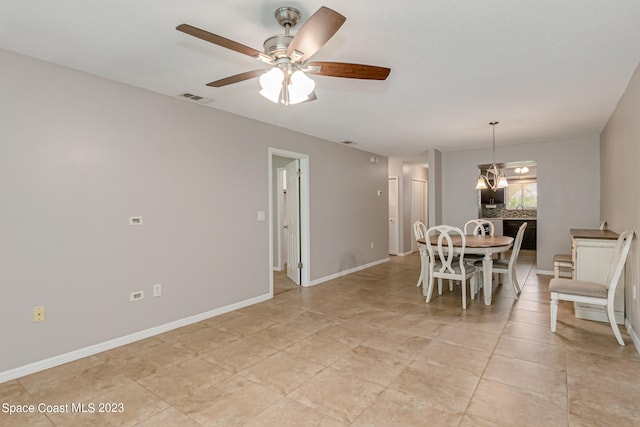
x: 490, y: 197
x: 592, y: 252
x: 510, y: 228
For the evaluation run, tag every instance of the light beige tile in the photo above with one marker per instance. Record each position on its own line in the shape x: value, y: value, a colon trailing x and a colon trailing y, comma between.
x: 178, y: 382
x: 125, y: 405
x: 446, y: 386
x: 549, y: 383
x: 455, y: 356
x: 242, y: 353
x: 18, y: 411
x: 282, y: 372
x: 289, y: 413
x: 544, y: 354
x: 170, y: 417
x: 206, y: 339
x: 334, y: 348
x: 318, y: 349
x: 337, y: 394
x: 233, y: 401
x: 505, y: 405
x: 395, y: 408
x: 371, y: 364
x: 465, y: 337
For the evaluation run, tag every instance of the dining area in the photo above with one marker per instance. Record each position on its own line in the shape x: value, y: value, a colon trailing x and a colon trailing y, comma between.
x: 472, y: 254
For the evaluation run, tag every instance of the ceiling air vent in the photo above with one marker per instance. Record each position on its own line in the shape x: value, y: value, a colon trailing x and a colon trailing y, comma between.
x: 196, y: 98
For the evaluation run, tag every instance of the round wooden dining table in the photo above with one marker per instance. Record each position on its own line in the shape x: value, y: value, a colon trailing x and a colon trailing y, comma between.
x: 481, y: 245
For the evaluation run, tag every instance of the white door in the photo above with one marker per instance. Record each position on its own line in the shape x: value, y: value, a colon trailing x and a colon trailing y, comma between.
x: 418, y: 191
x: 292, y: 226
x: 394, y: 230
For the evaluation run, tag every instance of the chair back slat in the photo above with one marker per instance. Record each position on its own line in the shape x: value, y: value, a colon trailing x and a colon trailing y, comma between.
x: 444, y: 251
x: 618, y: 260
x: 517, y: 243
x: 479, y: 226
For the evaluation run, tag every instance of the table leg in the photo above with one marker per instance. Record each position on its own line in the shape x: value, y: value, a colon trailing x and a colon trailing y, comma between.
x: 487, y: 277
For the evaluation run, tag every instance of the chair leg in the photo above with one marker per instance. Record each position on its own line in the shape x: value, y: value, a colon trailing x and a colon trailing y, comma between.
x: 430, y: 289
x: 614, y: 325
x: 464, y: 294
x: 554, y: 310
x: 514, y: 285
x: 439, y: 286
x: 472, y: 287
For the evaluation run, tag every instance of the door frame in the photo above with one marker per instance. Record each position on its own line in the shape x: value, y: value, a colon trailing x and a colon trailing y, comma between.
x: 397, y: 223
x: 423, y: 207
x: 304, y: 214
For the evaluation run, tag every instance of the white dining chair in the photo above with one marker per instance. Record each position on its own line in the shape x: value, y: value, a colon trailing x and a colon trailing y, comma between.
x: 420, y: 232
x: 508, y: 267
x: 594, y: 293
x: 479, y: 226
x: 447, y: 261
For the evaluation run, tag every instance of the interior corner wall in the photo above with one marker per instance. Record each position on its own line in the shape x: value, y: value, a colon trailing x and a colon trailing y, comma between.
x: 80, y: 154
x: 568, y: 188
x: 620, y: 194
x: 435, y: 203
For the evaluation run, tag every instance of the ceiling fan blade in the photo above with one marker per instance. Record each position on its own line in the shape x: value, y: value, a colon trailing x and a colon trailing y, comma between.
x: 318, y: 29
x: 237, y: 78
x: 350, y: 71
x: 220, y: 41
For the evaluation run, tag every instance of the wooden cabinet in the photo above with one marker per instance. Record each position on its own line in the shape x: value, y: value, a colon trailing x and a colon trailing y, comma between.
x: 592, y: 252
x: 492, y: 197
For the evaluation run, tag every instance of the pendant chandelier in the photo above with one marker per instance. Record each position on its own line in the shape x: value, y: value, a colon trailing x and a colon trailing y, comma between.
x: 492, y: 178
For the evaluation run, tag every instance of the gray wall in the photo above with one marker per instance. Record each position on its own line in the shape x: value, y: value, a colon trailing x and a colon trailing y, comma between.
x: 568, y: 188
x: 80, y: 154
x: 620, y: 193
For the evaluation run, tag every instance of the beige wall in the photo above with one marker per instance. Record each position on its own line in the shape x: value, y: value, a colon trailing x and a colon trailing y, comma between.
x: 568, y: 188
x: 80, y: 154
x: 620, y: 193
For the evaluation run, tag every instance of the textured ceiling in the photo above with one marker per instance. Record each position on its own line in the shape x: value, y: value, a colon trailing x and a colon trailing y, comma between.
x: 546, y: 69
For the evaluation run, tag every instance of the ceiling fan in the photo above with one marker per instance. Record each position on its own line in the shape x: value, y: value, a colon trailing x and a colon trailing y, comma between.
x: 286, y: 82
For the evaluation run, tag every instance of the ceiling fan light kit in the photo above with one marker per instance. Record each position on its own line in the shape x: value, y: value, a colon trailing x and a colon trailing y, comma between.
x: 287, y: 83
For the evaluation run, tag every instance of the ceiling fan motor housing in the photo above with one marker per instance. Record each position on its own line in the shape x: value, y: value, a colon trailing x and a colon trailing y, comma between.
x: 276, y: 46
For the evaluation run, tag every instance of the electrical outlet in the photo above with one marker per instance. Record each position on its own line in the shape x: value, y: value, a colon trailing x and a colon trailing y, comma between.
x: 371, y: 245
x: 157, y: 289
x: 136, y: 295
x: 38, y: 313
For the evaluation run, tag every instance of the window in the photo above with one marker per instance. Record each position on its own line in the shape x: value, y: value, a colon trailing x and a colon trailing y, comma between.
x: 522, y: 193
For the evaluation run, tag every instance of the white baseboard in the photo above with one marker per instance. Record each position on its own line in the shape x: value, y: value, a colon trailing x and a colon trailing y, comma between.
x: 406, y: 253
x: 120, y: 341
x: 566, y: 274
x: 345, y: 272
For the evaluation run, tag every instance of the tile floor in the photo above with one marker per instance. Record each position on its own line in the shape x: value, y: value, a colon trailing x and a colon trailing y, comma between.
x: 362, y: 350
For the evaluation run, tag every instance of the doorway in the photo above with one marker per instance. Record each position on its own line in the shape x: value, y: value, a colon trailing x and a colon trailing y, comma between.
x: 289, y: 230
